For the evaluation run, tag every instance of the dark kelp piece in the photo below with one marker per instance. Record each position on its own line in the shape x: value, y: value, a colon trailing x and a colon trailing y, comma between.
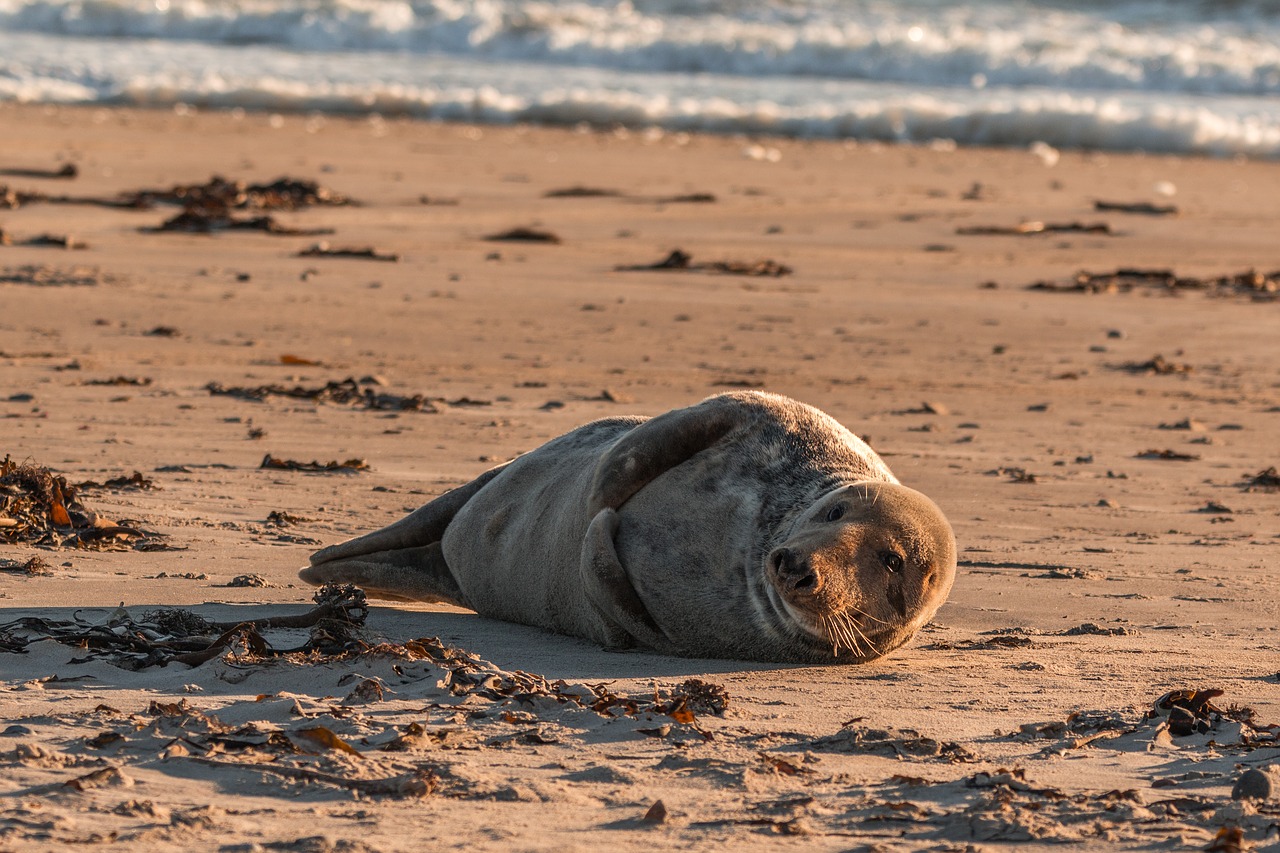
x: 1266, y: 480
x: 195, y: 220
x: 524, y: 235
x: 1039, y: 228
x: 1169, y: 455
x: 1251, y: 284
x: 57, y: 241
x: 324, y: 250
x: 47, y: 276
x: 217, y: 193
x: 1157, y: 365
x: 350, y: 466
x: 1145, y: 208
x: 220, y: 193
x: 130, y: 381
x: 582, y: 192
x: 348, y: 392
x: 681, y: 261
x: 65, y: 171
x: 133, y: 482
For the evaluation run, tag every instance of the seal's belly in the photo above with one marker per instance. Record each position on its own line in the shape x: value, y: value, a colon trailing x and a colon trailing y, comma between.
x: 515, y: 548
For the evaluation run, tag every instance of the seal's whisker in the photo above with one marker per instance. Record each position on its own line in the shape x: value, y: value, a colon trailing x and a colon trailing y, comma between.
x: 862, y: 612
x: 835, y: 637
x: 849, y: 623
x: 842, y: 624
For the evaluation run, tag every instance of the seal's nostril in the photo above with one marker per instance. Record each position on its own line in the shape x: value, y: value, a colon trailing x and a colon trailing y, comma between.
x: 782, y: 561
x: 809, y: 581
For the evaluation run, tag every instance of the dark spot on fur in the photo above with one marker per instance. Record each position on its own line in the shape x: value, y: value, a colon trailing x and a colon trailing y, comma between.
x: 897, y: 599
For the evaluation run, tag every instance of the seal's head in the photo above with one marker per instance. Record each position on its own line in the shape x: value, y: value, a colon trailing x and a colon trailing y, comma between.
x: 864, y: 568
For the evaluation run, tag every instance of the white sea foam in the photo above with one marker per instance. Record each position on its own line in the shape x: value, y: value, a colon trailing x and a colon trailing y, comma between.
x: 1156, y: 74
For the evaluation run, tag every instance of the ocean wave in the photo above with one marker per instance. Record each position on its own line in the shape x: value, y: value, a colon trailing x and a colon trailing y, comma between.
x: 260, y: 77
x: 1152, y: 45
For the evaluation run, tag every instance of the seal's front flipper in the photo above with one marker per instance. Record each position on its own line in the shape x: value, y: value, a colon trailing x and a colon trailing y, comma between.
x: 660, y: 444
x: 405, y: 574
x: 609, y: 589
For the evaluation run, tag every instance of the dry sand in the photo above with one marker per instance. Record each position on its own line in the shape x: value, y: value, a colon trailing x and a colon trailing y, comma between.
x: 1013, y: 408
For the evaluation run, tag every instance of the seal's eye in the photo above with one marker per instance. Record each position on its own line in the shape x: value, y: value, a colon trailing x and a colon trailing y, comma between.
x: 892, y: 561
x: 835, y: 513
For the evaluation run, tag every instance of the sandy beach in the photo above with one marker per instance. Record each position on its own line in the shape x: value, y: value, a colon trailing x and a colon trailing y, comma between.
x: 1100, y: 444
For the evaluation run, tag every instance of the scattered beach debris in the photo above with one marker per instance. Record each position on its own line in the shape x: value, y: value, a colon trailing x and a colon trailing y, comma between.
x: 1015, y: 474
x: 280, y: 518
x: 1143, y: 207
x: 349, y: 466
x: 34, y: 566
x: 1182, y: 713
x: 300, y: 361
x: 117, y: 381
x: 220, y: 193
x: 1189, y: 424
x: 249, y: 582
x: 582, y: 192
x: 217, y: 193
x: 369, y: 253
x: 1169, y: 455
x: 438, y: 201
x: 65, y: 171
x: 600, y: 192
x: 161, y: 637
x: 524, y: 235
x: 1253, y: 784
x: 684, y: 198
x: 656, y: 813
x: 162, y: 332
x: 11, y: 199
x: 892, y: 743
x: 1266, y: 480
x: 1094, y: 629
x: 197, y: 220
x: 132, y: 482
x: 59, y: 241
x: 41, y: 508
x: 1250, y: 283
x: 1188, y: 711
x: 1033, y: 227
x: 347, y: 392
x: 1219, y: 508
x: 1157, y: 365
x: 46, y: 276
x: 681, y: 261
x: 1014, y: 639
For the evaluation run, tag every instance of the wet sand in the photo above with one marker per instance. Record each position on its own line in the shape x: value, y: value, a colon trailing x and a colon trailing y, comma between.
x: 1093, y: 450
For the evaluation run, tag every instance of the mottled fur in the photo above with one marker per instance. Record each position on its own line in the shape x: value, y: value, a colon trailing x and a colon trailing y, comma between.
x: 688, y: 533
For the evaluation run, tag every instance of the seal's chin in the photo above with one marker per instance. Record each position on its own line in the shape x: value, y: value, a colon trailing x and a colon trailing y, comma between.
x: 846, y: 634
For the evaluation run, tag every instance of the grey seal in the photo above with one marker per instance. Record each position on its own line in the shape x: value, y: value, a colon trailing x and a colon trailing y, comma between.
x: 748, y: 526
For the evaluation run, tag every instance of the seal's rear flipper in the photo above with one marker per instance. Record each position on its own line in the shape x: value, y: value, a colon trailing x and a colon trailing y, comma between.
x: 406, y: 574
x: 402, y: 561
x: 423, y: 526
